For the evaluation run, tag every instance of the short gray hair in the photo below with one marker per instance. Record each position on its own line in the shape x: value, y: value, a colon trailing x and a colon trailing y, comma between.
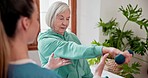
x: 54, y: 10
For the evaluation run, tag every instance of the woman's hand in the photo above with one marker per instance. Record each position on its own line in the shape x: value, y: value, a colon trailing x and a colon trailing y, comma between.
x: 113, y: 52
x: 127, y: 55
x: 54, y: 63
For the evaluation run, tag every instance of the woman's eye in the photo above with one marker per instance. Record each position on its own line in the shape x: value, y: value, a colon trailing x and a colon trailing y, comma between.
x: 61, y: 18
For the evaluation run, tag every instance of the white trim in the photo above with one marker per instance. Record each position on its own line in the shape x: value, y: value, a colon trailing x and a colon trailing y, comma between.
x: 22, y: 61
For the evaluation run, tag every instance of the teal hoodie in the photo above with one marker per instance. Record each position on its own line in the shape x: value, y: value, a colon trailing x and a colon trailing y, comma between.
x: 67, y: 46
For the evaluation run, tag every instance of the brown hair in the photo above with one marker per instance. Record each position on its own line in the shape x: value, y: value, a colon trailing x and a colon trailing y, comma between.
x: 4, y: 52
x: 12, y: 10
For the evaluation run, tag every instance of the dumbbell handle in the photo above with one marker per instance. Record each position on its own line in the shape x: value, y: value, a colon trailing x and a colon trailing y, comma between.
x: 120, y: 59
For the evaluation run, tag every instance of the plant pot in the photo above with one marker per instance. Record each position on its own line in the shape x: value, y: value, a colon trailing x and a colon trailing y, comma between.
x: 112, y: 66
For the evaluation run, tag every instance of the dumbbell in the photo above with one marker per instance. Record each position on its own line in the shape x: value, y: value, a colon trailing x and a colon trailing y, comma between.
x: 120, y: 59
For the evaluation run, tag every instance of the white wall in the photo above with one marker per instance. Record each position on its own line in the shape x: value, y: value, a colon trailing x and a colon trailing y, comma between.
x: 89, y: 12
x: 33, y: 54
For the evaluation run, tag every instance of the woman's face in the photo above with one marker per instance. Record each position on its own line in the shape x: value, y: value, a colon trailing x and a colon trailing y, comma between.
x: 61, y: 22
x: 34, y: 25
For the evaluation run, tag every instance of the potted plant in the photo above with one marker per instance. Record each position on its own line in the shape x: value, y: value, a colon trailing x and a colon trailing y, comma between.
x: 125, y: 39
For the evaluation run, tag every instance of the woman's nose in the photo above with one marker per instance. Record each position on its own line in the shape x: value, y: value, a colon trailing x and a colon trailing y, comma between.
x: 65, y: 22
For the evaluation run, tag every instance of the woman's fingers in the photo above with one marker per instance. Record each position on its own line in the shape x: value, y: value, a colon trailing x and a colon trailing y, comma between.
x: 52, y: 55
x: 65, y: 62
x: 103, y: 58
x: 127, y: 56
x: 62, y: 61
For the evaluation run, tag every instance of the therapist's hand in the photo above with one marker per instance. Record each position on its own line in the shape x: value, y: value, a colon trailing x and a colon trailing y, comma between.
x: 101, y: 65
x: 54, y: 63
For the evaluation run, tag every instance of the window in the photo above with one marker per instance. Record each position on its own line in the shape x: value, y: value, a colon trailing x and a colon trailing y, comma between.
x: 43, y: 6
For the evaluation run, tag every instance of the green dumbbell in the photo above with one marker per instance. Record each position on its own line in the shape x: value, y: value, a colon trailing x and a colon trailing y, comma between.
x: 120, y: 59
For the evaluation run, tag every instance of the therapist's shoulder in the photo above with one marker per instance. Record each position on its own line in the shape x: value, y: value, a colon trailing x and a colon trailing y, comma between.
x: 46, y: 73
x: 30, y: 70
x: 43, y: 72
x: 49, y: 73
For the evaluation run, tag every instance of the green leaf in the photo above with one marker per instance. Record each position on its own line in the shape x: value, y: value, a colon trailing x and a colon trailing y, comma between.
x: 108, y: 26
x: 95, y: 42
x: 127, y: 70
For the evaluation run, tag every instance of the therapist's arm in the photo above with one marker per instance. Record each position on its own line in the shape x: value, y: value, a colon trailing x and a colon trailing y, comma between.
x: 100, y: 67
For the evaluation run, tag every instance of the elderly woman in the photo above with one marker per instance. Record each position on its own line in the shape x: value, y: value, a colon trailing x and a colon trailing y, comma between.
x: 66, y: 45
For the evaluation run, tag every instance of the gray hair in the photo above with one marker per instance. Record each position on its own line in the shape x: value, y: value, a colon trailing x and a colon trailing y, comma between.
x: 54, y: 10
